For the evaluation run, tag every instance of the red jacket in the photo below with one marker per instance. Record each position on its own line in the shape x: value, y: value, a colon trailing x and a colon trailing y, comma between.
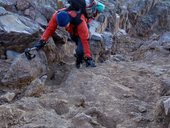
x: 82, y: 31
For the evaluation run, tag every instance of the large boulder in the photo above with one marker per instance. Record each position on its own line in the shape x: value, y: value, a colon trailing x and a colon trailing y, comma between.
x: 16, y: 32
x: 22, y: 71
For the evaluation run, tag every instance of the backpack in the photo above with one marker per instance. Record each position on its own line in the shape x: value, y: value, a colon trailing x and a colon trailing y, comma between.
x: 87, y: 7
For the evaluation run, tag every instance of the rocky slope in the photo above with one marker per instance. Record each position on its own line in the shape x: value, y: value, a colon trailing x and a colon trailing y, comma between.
x: 129, y: 88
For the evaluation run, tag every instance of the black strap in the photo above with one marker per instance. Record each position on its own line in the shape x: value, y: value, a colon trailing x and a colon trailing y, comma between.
x: 75, y: 20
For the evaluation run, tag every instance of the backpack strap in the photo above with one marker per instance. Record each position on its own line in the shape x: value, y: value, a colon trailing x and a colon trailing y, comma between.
x: 78, y: 5
x: 75, y: 16
x: 76, y: 19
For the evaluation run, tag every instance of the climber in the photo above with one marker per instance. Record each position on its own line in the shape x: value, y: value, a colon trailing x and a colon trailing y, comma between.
x: 74, y: 20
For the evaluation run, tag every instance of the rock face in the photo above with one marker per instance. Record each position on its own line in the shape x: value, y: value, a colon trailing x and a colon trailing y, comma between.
x: 23, y: 28
x: 110, y: 95
x: 156, y: 19
x: 15, y: 25
x: 129, y: 89
x: 16, y: 32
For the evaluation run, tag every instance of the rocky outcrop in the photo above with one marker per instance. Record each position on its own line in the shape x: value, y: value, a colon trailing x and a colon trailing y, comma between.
x: 15, y: 24
x: 100, y: 40
x: 16, y: 32
x: 21, y: 72
x: 110, y: 95
x: 156, y: 20
x: 130, y: 88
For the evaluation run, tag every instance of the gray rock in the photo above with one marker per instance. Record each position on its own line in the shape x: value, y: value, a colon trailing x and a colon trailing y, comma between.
x: 98, y: 25
x: 2, y: 11
x: 121, y: 32
x: 165, y: 88
x: 8, y: 96
x: 96, y: 37
x: 159, y: 108
x: 9, y: 115
x: 22, y: 5
x: 11, y: 54
x: 135, y: 114
x: 28, y: 104
x: 101, y: 18
x: 59, y: 52
x: 142, y: 109
x: 166, y: 104
x: 40, y: 19
x: 47, y: 11
x: 154, y: 45
x: 36, y: 88
x: 108, y: 40
x: 9, y: 5
x: 82, y: 117
x: 145, y: 24
x: 116, y: 23
x: 82, y: 120
x: 149, y: 16
x: 165, y: 41
x: 93, y: 26
x: 4, y: 64
x: 15, y: 29
x: 23, y: 71
x: 36, y: 15
x: 119, y: 57
x: 60, y: 106
x: 165, y: 38
x: 15, y: 23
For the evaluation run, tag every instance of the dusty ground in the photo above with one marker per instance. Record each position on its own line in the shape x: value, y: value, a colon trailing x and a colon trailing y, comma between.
x: 122, y: 92
x: 127, y: 92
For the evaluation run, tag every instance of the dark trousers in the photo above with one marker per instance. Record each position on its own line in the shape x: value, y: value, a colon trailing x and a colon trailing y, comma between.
x: 79, y: 50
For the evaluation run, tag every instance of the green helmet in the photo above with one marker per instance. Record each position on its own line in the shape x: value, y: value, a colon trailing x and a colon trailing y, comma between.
x: 100, y: 7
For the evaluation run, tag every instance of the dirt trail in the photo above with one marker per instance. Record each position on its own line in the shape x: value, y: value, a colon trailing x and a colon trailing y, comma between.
x: 126, y: 92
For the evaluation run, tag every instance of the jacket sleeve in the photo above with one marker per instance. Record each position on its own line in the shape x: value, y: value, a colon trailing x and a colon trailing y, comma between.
x: 83, y: 33
x: 52, y: 26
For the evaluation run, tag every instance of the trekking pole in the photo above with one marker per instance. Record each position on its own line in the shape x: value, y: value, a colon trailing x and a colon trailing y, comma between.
x: 28, y: 53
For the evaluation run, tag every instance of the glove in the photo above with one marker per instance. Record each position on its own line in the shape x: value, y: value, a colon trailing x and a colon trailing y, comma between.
x: 89, y: 62
x: 40, y: 44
